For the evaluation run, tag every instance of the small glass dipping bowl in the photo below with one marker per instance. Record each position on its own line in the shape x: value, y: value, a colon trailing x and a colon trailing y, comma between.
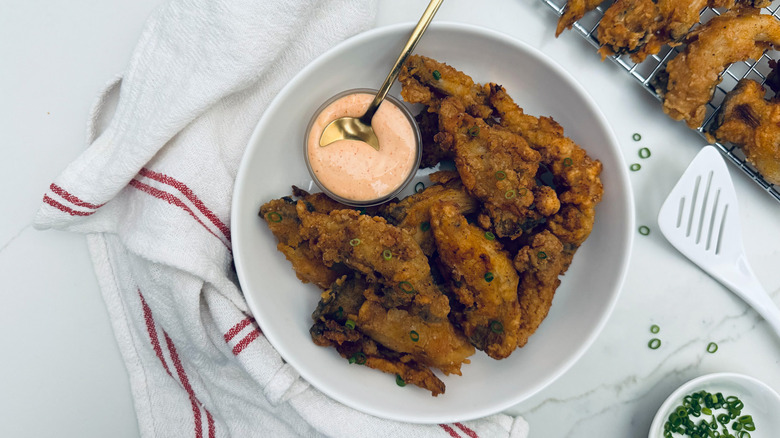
x: 402, y: 177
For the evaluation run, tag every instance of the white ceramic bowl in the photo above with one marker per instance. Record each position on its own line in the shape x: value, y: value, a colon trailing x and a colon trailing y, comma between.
x: 761, y: 401
x: 283, y: 306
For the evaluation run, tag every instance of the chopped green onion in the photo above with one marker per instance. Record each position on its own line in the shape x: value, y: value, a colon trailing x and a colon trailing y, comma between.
x: 567, y: 162
x: 362, y: 210
x: 350, y: 324
x: 354, y: 242
x: 654, y: 328
x: 509, y: 194
x: 436, y: 75
x: 490, y: 236
x: 340, y: 313
x: 489, y: 277
x: 500, y: 175
x: 634, y: 167
x: 273, y: 217
x: 358, y: 358
x: 496, y: 327
x: 644, y: 230
x: 712, y: 347
x: 644, y: 153
x: 414, y: 336
x: 541, y: 255
x: 399, y: 380
x: 522, y: 192
x: 654, y: 343
x: 406, y: 287
x: 425, y: 226
x: 636, y: 137
x: 474, y: 131
x: 387, y: 254
x: 419, y: 187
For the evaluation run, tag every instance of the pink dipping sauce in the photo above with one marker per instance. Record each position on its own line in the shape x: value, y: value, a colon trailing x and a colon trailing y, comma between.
x: 353, y: 170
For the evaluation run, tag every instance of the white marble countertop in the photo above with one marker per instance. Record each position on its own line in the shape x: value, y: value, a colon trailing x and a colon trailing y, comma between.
x: 61, y: 373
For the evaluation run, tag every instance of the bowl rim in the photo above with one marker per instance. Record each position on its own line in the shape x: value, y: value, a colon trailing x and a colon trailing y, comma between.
x: 625, y: 243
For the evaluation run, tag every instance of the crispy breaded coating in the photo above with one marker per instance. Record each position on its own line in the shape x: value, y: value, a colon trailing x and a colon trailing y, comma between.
x: 539, y: 265
x: 484, y: 281
x: 573, y: 11
x: 691, y: 77
x: 359, y: 241
x: 413, y: 213
x: 749, y: 120
x: 627, y: 26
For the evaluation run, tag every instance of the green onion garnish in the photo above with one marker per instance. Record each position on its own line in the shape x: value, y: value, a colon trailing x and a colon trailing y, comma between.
x: 496, y: 327
x: 387, y: 254
x: 350, y: 324
x: 425, y: 226
x: 399, y: 380
x: 489, y: 277
x: 273, y: 217
x: 523, y: 191
x: 358, y: 358
x: 509, y: 194
x: 636, y: 137
x: 567, y: 162
x: 644, y: 153
x: 406, y: 287
x: 712, y: 347
x: 340, y: 313
x: 354, y: 242
x: 644, y: 230
x: 490, y: 236
x: 683, y: 421
x: 541, y: 255
x: 654, y: 328
x: 474, y: 131
x: 436, y: 75
x: 500, y: 175
x: 419, y: 187
x: 654, y: 343
x: 414, y: 336
x: 634, y: 167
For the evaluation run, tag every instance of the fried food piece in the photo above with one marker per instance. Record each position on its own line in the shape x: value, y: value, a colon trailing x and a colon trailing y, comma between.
x: 358, y: 241
x: 575, y: 175
x: 627, y: 26
x: 496, y: 166
x: 539, y: 265
x: 432, y: 343
x: 413, y: 213
x: 749, y: 120
x: 432, y: 153
x: 573, y: 11
x: 341, y: 303
x: 484, y: 281
x: 691, y: 77
x: 283, y: 221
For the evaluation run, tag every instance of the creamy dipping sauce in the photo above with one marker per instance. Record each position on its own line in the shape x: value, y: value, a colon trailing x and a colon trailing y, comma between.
x: 353, y: 170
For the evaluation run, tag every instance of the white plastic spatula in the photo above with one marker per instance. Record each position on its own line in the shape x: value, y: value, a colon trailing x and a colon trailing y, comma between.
x: 701, y: 219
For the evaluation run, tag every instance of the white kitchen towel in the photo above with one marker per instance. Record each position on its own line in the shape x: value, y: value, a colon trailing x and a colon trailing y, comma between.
x: 153, y: 192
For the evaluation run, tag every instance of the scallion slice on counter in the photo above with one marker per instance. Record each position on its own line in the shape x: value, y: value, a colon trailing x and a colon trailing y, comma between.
x: 654, y: 344
x: 387, y: 254
x: 712, y: 347
x: 644, y: 153
x: 634, y: 167
x: 644, y: 230
x: 654, y: 328
x: 636, y: 136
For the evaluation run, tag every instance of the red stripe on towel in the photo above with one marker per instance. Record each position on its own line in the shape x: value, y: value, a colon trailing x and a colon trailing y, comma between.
x: 254, y: 334
x: 237, y: 328
x: 450, y: 431
x: 467, y: 430
x: 167, y: 197
x: 65, y: 209
x: 186, y: 191
x: 210, y: 421
x: 186, y: 383
x: 72, y: 199
x: 153, y: 333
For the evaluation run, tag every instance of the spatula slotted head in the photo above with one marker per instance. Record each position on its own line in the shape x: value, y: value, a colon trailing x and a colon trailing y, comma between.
x: 700, y: 216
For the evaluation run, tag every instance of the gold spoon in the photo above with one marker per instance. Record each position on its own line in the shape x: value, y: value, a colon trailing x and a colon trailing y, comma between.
x: 359, y: 128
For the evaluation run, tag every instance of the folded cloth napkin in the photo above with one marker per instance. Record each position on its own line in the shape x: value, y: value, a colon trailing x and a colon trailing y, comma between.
x: 153, y: 191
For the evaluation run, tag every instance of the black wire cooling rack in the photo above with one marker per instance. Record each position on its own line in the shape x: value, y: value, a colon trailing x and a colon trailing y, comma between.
x: 646, y: 71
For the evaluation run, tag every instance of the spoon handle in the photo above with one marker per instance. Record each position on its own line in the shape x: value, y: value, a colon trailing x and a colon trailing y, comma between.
x: 417, y: 33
